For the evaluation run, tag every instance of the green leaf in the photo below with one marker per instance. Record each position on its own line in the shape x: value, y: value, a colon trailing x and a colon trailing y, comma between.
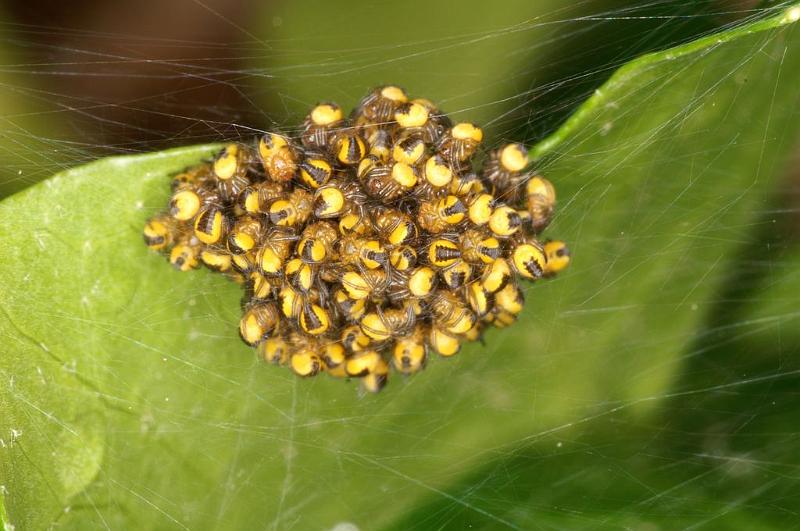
x: 129, y: 401
x: 721, y: 448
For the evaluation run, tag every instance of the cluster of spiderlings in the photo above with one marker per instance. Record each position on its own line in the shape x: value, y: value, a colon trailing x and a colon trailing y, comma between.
x: 365, y: 243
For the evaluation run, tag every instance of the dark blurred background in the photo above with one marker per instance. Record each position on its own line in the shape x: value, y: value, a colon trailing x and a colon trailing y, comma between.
x: 84, y: 79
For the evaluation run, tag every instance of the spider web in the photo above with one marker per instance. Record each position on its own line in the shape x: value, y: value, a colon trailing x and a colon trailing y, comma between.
x: 683, y: 419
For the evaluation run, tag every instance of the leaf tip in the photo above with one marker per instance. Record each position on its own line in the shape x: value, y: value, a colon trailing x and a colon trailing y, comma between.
x: 792, y: 15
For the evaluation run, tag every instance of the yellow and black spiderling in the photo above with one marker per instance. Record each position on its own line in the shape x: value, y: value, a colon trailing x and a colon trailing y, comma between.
x: 403, y: 258
x: 409, y: 352
x: 505, y: 221
x: 362, y: 283
x: 378, y: 107
x: 193, y: 177
x: 231, y: 170
x: 460, y: 142
x: 443, y: 214
x: 383, y: 325
x: 420, y: 282
x: 274, y: 350
x: 386, y: 182
x: 540, y: 202
x: 315, y: 171
x: 529, y: 259
x: 505, y: 170
x: 184, y: 256
x: 451, y: 313
x: 480, y: 207
x: 480, y: 301
x: 337, y: 199
x: 259, y: 286
x: 479, y: 247
x: 320, y: 125
x: 557, y: 257
x: 420, y: 119
x: 394, y: 227
x: 442, y: 252
x: 438, y: 122
x: 245, y: 235
x: 300, y: 275
x: 160, y: 232
x: 316, y: 242
x: 465, y: 184
x: 408, y: 149
x: 443, y: 343
x: 351, y: 308
x: 305, y: 361
x: 438, y: 172
x: 456, y: 275
x: 257, y: 197
x: 333, y: 355
x: 293, y: 210
x: 314, y: 320
x: 211, y: 225
x: 216, y: 259
x: 366, y: 252
x: 276, y: 249
x: 258, y: 321
x: 185, y: 204
x: 496, y: 275
x: 349, y: 148
x: 365, y: 244
x: 508, y: 303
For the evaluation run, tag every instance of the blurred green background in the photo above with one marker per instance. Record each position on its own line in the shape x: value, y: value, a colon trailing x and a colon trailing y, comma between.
x: 85, y: 79
x: 654, y: 386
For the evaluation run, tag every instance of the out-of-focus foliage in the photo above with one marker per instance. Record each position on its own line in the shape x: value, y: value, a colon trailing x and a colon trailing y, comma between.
x: 27, y: 154
x: 89, y: 79
x: 515, y: 67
